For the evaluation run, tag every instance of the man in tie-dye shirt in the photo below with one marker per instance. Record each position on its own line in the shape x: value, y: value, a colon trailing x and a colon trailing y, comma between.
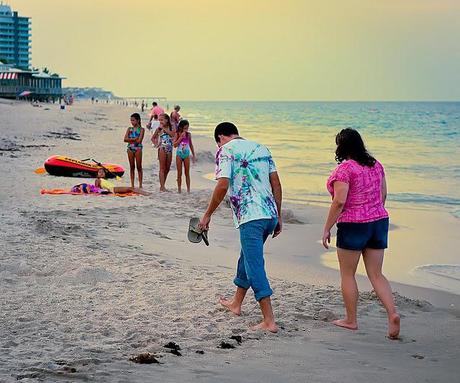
x: 245, y: 169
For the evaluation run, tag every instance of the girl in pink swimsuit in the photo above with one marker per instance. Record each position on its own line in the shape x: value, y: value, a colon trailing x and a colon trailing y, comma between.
x: 184, y: 145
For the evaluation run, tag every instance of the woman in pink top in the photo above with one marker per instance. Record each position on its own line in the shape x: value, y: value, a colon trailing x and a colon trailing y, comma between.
x: 358, y: 190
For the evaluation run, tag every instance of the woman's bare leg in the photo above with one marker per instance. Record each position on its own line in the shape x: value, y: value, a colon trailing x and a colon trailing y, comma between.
x: 373, y: 260
x: 138, y: 156
x: 132, y: 166
x: 162, y: 173
x: 348, y: 260
x: 187, y: 173
x: 179, y: 173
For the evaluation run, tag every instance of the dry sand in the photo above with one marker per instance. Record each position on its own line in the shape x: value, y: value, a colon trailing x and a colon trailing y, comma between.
x: 87, y: 282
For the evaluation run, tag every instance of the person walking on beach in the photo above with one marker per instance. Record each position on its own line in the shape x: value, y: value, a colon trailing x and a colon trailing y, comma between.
x: 164, y: 134
x: 134, y: 136
x: 158, y: 110
x: 175, y: 117
x: 246, y: 169
x: 358, y: 189
x: 183, y: 143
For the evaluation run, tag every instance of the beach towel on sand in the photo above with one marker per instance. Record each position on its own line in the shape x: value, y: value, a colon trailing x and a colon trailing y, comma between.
x: 67, y: 191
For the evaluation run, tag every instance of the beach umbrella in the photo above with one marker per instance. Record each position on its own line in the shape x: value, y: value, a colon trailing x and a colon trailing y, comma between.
x: 25, y: 93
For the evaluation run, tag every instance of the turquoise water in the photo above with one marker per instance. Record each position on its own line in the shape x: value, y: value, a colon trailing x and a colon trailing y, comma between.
x: 418, y: 143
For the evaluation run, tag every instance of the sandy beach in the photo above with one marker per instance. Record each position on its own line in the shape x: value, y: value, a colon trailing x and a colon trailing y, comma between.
x: 86, y: 282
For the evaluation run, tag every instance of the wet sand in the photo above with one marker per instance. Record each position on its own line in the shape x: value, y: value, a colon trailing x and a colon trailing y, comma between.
x: 88, y: 282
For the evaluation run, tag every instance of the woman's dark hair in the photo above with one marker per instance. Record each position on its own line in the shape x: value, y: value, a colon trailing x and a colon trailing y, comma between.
x: 137, y: 117
x: 350, y: 145
x: 225, y: 129
x: 168, y: 119
x: 182, y: 124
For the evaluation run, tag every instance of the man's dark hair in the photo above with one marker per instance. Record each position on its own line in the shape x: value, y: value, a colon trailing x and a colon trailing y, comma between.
x: 154, y: 104
x: 225, y: 129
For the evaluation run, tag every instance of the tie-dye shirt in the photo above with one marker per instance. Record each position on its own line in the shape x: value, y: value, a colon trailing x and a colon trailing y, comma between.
x: 247, y: 165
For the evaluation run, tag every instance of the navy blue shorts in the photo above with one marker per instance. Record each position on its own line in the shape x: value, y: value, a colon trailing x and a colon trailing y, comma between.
x: 360, y: 236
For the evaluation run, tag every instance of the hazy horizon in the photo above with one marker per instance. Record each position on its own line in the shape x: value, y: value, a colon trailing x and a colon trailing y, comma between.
x: 301, y: 50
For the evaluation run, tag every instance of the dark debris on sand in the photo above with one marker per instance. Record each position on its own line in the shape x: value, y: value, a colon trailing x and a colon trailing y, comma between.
x: 9, y: 146
x: 145, y: 358
x: 226, y: 345
x: 237, y: 338
x: 66, y: 134
x: 174, y: 348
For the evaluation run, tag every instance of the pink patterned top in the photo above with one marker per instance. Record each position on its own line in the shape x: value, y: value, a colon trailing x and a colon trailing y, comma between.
x: 364, y: 200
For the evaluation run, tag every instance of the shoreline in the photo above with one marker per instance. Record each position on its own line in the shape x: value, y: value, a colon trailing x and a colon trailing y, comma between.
x: 88, y: 282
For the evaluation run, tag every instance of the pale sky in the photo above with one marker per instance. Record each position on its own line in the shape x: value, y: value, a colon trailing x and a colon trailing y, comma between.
x: 252, y: 49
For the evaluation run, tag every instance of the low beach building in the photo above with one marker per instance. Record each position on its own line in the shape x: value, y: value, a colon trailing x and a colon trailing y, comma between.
x: 17, y: 80
x: 19, y: 83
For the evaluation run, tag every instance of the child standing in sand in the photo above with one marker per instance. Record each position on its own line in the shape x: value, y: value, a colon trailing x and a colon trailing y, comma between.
x: 134, y: 136
x: 184, y: 145
x: 164, y: 135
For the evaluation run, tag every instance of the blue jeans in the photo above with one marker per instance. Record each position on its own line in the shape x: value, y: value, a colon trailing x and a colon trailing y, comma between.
x: 251, y: 266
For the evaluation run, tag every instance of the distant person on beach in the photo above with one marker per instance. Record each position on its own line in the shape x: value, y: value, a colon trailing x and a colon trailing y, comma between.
x: 134, y: 136
x: 155, y: 123
x: 158, y: 110
x: 109, y: 187
x: 153, y: 127
x: 142, y: 106
x: 184, y: 145
x: 359, y: 191
x: 246, y: 169
x: 164, y: 135
x: 175, y: 117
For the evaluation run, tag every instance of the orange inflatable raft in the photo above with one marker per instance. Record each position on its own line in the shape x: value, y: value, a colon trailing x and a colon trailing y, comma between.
x: 69, y: 167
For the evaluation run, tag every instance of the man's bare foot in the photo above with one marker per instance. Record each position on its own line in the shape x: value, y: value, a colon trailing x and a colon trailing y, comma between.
x: 345, y: 324
x: 272, y: 327
x: 230, y: 305
x: 394, y: 324
x: 163, y: 190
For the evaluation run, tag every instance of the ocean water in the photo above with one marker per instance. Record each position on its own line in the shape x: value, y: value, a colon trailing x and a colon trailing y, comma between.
x: 418, y: 143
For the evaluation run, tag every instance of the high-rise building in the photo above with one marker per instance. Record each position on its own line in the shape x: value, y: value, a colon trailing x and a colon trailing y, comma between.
x: 15, y: 34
